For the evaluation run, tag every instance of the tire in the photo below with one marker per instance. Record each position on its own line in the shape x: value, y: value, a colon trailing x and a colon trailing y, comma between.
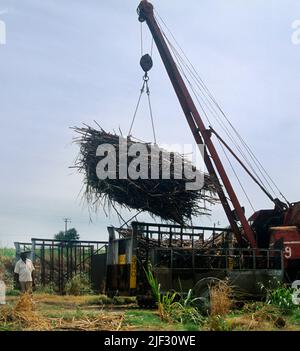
x: 202, y: 291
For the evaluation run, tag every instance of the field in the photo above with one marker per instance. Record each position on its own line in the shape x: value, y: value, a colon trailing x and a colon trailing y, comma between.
x: 94, y: 312
x: 90, y: 312
x: 7, y: 252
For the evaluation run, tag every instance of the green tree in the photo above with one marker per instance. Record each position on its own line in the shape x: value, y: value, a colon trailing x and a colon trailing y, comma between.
x: 69, y: 235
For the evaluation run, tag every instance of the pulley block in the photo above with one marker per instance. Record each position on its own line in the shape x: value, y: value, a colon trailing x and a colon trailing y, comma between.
x: 146, y: 63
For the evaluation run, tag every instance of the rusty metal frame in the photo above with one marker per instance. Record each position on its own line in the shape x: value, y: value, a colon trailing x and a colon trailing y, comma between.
x: 57, y: 261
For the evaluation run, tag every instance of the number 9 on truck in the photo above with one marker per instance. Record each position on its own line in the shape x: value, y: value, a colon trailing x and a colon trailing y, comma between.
x: 288, y: 252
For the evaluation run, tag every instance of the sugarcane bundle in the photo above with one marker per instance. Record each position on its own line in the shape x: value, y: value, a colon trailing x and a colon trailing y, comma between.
x: 101, y: 160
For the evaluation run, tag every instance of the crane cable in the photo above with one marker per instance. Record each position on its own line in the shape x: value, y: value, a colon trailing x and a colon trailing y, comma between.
x: 151, y: 112
x: 222, y: 147
x: 255, y: 160
x: 137, y: 107
x: 141, y: 40
x: 207, y: 118
x: 196, y: 77
x: 200, y: 82
x: 223, y: 126
x: 145, y: 88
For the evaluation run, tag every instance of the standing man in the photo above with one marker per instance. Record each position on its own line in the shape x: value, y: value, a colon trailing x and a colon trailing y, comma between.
x: 24, y: 273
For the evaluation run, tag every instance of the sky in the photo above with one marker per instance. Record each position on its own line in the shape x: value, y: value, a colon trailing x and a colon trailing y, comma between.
x: 71, y: 62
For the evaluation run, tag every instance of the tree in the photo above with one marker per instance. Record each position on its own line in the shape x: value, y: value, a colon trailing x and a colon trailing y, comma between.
x: 69, y: 235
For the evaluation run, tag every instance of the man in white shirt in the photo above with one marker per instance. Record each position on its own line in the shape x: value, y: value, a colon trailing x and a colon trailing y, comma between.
x: 24, y: 271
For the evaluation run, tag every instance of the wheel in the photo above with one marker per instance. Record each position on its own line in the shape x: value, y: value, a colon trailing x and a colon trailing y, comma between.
x: 202, y: 291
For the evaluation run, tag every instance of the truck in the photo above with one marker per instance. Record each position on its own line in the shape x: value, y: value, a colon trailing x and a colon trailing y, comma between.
x: 249, y: 252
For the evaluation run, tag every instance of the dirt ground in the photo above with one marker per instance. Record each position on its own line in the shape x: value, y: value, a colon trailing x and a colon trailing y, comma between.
x: 90, y: 313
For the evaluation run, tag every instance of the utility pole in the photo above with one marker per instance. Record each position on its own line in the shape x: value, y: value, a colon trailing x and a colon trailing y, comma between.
x: 66, y: 220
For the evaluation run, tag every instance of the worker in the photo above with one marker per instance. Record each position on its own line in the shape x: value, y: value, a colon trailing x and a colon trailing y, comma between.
x: 24, y: 271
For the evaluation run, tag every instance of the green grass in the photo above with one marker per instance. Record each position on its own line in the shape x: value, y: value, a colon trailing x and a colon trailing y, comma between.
x: 70, y: 315
x: 149, y: 320
x: 12, y: 292
x: 8, y: 327
x: 135, y: 319
x: 7, y: 252
x: 144, y: 319
x: 295, y: 317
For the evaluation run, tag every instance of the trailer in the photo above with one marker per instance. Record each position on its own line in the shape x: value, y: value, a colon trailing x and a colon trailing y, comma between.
x: 184, y: 258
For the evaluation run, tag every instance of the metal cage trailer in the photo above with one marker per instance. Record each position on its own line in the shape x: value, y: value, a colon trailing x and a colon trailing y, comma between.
x: 182, y: 259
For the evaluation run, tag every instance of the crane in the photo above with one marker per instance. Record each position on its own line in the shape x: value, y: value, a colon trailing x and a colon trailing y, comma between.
x: 267, y: 244
x: 265, y: 228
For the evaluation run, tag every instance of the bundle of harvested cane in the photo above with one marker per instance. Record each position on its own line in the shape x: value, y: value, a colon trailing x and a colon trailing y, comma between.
x: 133, y: 174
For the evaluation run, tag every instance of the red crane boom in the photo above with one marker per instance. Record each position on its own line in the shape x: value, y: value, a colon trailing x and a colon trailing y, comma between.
x: 200, y: 132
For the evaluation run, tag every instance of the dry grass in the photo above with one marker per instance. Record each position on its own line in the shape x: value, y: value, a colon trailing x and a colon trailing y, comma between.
x: 53, y: 313
x: 25, y: 304
x: 246, y: 323
x: 66, y: 300
x: 220, y: 298
x: 103, y: 322
x: 270, y: 314
x: 264, y: 317
x: 266, y: 313
x: 24, y: 316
